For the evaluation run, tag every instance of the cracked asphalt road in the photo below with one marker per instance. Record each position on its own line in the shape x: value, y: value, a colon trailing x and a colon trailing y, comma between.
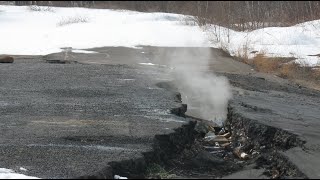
x: 68, y: 120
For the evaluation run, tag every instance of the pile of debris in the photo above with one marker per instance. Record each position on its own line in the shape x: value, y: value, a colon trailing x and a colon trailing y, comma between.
x: 222, y: 143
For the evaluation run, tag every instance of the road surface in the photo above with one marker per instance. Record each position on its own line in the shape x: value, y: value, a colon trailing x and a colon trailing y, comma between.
x: 68, y: 120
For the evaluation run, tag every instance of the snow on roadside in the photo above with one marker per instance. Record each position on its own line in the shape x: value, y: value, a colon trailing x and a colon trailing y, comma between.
x: 25, y: 32
x: 10, y: 174
x: 148, y: 64
x: 299, y: 41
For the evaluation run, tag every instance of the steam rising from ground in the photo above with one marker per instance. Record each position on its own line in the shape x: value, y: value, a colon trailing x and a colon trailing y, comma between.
x: 200, y: 87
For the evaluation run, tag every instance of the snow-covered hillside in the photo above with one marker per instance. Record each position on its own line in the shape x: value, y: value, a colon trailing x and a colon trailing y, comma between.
x: 301, y: 41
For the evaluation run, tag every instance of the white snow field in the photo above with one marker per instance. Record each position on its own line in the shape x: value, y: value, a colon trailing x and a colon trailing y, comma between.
x: 26, y: 32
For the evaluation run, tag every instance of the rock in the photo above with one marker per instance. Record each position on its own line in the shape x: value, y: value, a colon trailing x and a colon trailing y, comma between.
x: 180, y: 111
x: 202, y: 128
x: 6, y: 59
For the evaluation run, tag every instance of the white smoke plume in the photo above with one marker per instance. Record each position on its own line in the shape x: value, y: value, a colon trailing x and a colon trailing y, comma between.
x: 198, y: 85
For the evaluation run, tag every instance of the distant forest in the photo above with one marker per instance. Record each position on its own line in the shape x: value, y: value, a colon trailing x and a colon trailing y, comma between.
x: 238, y: 15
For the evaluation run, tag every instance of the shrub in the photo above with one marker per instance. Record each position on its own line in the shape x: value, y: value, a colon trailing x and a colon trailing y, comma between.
x: 263, y: 64
x: 288, y: 70
x: 73, y: 20
x: 41, y: 8
x: 316, y: 74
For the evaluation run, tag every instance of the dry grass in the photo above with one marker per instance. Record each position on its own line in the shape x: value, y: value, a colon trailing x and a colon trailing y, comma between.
x: 41, y: 8
x: 242, y: 55
x: 73, y: 20
x: 295, y: 71
x: 288, y: 70
x: 316, y: 73
x: 284, y: 67
x: 269, y: 64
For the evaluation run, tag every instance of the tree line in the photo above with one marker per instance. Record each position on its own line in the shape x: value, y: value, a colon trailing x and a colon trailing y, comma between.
x: 238, y: 15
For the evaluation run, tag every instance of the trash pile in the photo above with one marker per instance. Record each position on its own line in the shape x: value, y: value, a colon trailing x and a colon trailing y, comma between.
x: 220, y: 142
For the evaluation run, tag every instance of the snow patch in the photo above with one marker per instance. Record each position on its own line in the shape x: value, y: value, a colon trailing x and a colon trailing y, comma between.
x: 83, y: 51
x: 119, y: 177
x: 10, y: 174
x: 23, y: 169
x: 148, y: 64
